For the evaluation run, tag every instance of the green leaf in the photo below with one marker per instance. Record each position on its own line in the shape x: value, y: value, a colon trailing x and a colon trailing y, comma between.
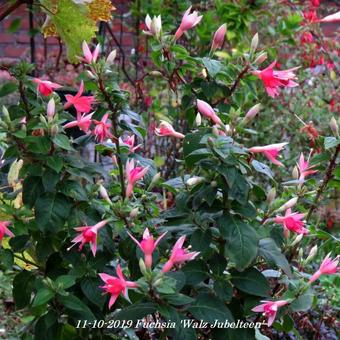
x: 38, y: 144
x: 195, y: 271
x: 262, y: 168
x: 178, y: 299
x: 63, y: 142
x: 43, y: 296
x: 51, y: 211
x: 331, y: 142
x: 272, y: 253
x: 32, y: 189
x: 136, y: 311
x: 200, y: 240
x: 208, y: 308
x: 6, y: 258
x: 213, y: 66
x: 251, y: 281
x: 50, y: 179
x: 22, y: 288
x: 89, y: 287
x: 8, y: 88
x: 242, y: 240
x: 223, y: 289
x: 14, y: 25
x: 76, y: 308
x: 55, y: 162
x: 65, y: 281
x: 72, y: 25
x: 191, y: 143
x: 303, y: 302
x: 19, y: 243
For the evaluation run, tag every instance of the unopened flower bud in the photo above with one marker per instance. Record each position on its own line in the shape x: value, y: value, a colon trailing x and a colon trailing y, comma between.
x: 254, y: 43
x: 253, y: 112
x: 312, y: 254
x: 142, y: 267
x: 215, y: 130
x: 156, y: 73
x: 195, y: 180
x: 297, y: 240
x: 300, y: 253
x: 50, y: 109
x: 103, y: 194
x: 198, y: 119
x: 134, y: 212
x: 261, y: 58
x: 154, y: 180
x: 158, y: 282
x: 271, y: 195
x: 111, y: 57
x: 288, y: 204
x: 54, y: 130
x: 295, y: 172
x: 213, y: 184
x: 334, y: 127
x: 90, y: 74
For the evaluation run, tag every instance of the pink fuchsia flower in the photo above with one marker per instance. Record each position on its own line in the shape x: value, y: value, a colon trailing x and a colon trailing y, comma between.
x: 270, y: 151
x: 116, y: 285
x: 206, y: 110
x: 179, y: 255
x: 90, y: 57
x: 4, y: 230
x: 130, y: 142
x: 188, y: 21
x: 219, y: 37
x: 166, y: 129
x: 102, y: 129
x: 269, y: 309
x: 133, y: 174
x: 293, y: 222
x: 88, y: 234
x: 328, y: 266
x: 81, y: 103
x: 331, y: 18
x: 147, y: 246
x: 46, y: 87
x: 315, y: 3
x: 83, y: 122
x: 304, y: 168
x: 274, y: 79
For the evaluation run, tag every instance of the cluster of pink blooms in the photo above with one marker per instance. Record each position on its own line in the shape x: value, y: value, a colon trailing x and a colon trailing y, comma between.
x: 118, y: 285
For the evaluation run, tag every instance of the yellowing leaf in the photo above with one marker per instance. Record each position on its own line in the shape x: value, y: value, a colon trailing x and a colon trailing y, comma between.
x: 100, y: 10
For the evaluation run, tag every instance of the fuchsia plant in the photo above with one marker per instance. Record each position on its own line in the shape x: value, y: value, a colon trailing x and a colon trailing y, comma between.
x: 229, y: 239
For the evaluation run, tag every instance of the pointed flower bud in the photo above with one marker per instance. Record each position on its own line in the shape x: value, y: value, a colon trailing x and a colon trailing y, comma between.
x: 271, y: 195
x: 218, y: 38
x: 111, y: 57
x: 297, y: 240
x: 334, y: 127
x: 289, y: 204
x: 253, y: 112
x: 134, y: 212
x: 198, y: 119
x: 295, y: 172
x: 311, y: 254
x: 195, y: 180
x: 261, y: 58
x: 254, y: 43
x: 50, y: 109
x: 103, y: 194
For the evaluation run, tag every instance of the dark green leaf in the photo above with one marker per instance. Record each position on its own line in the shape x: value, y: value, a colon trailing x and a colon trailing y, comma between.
x: 43, y: 296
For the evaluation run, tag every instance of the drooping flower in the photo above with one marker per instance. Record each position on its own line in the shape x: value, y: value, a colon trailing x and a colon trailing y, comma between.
x: 166, y: 129
x: 304, y: 168
x: 88, y: 234
x: 102, y: 129
x: 154, y: 25
x: 293, y: 222
x: 46, y: 87
x: 130, y: 142
x: 274, y: 79
x: 81, y: 103
x: 4, y: 230
x: 188, y: 21
x: 269, y: 309
x: 83, y: 122
x: 219, y: 37
x: 147, y: 245
x: 328, y: 266
x: 90, y: 57
x: 206, y: 110
x: 116, y: 285
x: 270, y: 151
x: 133, y: 174
x: 179, y: 255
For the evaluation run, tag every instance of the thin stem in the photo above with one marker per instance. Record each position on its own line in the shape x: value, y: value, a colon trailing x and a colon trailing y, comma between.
x: 115, y: 133
x: 326, y: 179
x: 238, y: 79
